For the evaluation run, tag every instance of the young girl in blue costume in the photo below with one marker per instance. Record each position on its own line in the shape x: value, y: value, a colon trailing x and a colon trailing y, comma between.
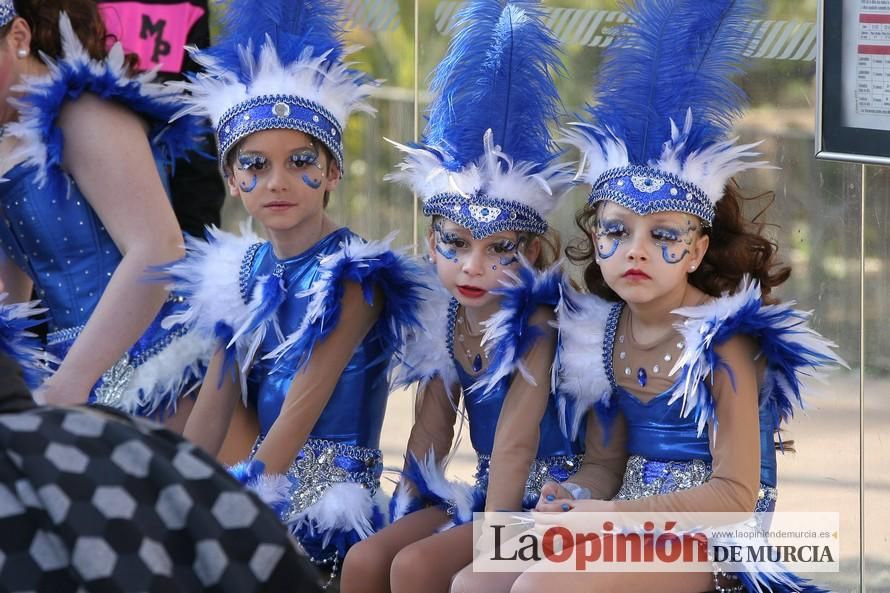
x: 85, y: 211
x: 690, y: 364
x: 486, y: 173
x: 308, y: 322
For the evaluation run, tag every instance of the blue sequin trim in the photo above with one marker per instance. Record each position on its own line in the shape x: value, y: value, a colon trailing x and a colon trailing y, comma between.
x: 484, y: 215
x: 449, y: 334
x: 609, y: 342
x: 7, y: 12
x: 646, y: 190
x: 244, y: 271
x: 279, y: 112
x: 557, y: 468
x: 69, y: 334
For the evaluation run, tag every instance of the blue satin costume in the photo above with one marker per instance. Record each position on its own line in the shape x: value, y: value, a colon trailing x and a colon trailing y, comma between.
x: 508, y: 337
x: 283, y: 309
x: 558, y: 457
x: 666, y: 452
x: 52, y: 233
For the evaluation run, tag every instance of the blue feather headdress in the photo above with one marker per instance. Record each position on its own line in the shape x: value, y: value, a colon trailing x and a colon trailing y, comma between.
x: 487, y: 157
x: 278, y: 66
x: 659, y: 137
x: 7, y: 12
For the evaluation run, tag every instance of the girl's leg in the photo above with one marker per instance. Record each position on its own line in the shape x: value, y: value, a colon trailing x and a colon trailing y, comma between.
x: 242, y: 434
x: 176, y: 422
x: 467, y: 581
x: 366, y: 568
x: 429, y: 565
x: 614, y: 582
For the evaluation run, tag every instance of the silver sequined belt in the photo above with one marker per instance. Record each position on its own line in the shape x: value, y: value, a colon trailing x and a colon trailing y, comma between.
x: 558, y: 468
x: 322, y: 464
x: 649, y: 477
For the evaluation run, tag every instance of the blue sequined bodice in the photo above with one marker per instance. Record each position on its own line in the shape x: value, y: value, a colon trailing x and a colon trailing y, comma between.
x: 656, y: 429
x: 483, y: 415
x: 59, y: 241
x: 354, y: 413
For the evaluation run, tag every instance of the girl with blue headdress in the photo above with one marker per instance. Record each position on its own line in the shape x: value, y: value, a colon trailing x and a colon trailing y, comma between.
x: 85, y: 212
x: 308, y: 321
x: 487, y: 174
x: 690, y: 364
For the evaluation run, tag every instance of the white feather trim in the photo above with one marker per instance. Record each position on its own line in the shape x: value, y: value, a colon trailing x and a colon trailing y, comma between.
x: 162, y: 378
x: 402, y: 501
x: 343, y: 507
x: 426, y: 352
x: 494, y: 174
x: 272, y: 489
x: 582, y: 375
x: 458, y: 493
x: 336, y: 87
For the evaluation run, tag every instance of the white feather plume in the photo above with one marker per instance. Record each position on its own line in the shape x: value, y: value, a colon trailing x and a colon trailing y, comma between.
x: 495, y: 174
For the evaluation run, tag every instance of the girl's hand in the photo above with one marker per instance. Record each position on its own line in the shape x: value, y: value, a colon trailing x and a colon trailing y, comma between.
x: 551, y: 491
x: 561, y: 505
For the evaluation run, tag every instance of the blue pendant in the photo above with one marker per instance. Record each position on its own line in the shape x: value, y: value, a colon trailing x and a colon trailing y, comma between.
x: 642, y: 379
x: 477, y: 363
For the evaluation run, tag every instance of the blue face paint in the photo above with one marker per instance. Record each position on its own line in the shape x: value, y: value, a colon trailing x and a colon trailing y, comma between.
x: 249, y: 187
x: 311, y: 182
x: 494, y: 267
x: 672, y: 258
x: 508, y: 261
x: 609, y: 231
x: 449, y: 254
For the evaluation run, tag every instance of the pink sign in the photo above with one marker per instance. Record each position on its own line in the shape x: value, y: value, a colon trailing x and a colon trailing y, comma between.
x: 157, y: 33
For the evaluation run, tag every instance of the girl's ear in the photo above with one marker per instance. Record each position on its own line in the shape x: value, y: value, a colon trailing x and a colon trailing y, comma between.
x: 700, y: 248
x: 333, y: 175
x: 234, y: 190
x: 431, y: 245
x: 533, y: 251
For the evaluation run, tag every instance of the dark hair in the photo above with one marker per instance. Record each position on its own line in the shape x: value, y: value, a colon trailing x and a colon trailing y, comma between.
x: 737, y: 248
x: 42, y: 17
x: 550, y: 244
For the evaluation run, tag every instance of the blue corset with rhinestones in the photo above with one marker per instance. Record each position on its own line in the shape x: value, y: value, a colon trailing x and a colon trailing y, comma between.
x: 656, y: 430
x: 59, y: 241
x: 354, y: 413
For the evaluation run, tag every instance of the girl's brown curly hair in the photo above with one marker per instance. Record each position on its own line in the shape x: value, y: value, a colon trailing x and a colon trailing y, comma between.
x: 737, y: 248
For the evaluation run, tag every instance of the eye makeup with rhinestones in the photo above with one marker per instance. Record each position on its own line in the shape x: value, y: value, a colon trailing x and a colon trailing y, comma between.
x: 674, y: 241
x: 447, y: 242
x: 609, y: 235
x: 252, y: 161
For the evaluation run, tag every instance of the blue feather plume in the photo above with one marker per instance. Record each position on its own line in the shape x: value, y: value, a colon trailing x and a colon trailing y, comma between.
x: 673, y: 56
x: 294, y: 27
x: 787, y: 582
x: 496, y: 75
x: 19, y: 343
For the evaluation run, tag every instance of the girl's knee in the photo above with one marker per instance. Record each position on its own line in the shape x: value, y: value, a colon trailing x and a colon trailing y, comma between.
x: 408, y: 565
x: 366, y: 565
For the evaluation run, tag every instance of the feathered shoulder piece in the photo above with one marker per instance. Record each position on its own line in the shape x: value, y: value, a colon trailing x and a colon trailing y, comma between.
x: 509, y: 334
x: 427, y: 354
x: 373, y: 265
x: 279, y: 65
x: 214, y: 277
x: 487, y: 159
x: 793, y: 350
x: 582, y: 360
x: 76, y: 73
x: 19, y: 343
x: 658, y: 137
